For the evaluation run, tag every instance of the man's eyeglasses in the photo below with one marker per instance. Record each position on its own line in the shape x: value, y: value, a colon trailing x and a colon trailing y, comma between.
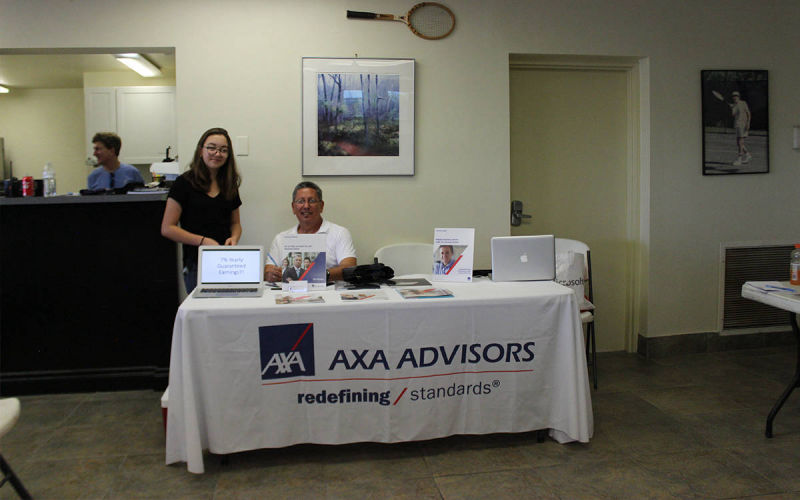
x: 214, y: 149
x: 310, y: 201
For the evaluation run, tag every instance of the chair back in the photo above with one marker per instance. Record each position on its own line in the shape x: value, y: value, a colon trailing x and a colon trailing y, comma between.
x: 407, y: 258
x: 9, y: 413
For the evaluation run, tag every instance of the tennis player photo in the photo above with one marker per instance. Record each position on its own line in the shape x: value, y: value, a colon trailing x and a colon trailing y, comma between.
x: 735, y: 122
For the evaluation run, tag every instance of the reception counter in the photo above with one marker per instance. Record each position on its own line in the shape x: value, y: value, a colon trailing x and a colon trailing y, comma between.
x: 89, y: 291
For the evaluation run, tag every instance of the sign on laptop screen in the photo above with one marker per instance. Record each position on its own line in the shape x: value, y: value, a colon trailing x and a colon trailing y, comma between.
x: 231, y: 266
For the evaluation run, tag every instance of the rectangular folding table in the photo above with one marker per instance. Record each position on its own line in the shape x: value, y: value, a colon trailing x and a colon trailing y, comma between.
x: 788, y: 301
x: 496, y: 357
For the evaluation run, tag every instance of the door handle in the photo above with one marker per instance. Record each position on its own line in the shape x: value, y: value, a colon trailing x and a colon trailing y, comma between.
x: 516, y: 213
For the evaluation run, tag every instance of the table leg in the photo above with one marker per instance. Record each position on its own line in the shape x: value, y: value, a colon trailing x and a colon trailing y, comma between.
x: 793, y: 384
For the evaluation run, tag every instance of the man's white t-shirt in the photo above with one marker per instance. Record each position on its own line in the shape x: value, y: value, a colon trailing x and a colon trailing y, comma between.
x: 339, y: 243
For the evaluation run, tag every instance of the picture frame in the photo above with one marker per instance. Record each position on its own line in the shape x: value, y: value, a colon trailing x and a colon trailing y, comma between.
x: 358, y: 116
x: 735, y: 108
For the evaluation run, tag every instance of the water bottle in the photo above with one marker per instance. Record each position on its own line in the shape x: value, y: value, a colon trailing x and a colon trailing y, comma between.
x: 49, y: 180
x: 794, y: 266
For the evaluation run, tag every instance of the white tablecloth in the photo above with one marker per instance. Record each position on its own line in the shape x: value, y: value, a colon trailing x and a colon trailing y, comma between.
x: 497, y: 357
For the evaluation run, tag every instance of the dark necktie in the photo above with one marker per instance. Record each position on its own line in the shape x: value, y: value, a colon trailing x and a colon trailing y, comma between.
x: 111, y: 185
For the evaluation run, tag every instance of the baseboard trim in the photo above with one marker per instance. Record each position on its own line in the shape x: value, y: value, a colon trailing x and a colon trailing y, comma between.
x: 83, y: 380
x: 693, y: 343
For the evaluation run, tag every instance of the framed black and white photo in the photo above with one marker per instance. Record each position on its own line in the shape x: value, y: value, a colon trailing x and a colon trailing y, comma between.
x: 358, y: 116
x: 735, y: 122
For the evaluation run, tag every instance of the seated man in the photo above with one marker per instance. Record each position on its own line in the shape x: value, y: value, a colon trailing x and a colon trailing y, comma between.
x: 307, y: 206
x: 446, y: 263
x: 110, y: 173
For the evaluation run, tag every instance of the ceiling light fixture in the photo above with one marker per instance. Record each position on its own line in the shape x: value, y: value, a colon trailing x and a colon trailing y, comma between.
x: 139, y: 64
x: 3, y: 90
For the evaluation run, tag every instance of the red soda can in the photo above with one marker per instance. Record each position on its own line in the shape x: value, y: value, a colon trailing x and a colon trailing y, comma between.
x: 27, y: 186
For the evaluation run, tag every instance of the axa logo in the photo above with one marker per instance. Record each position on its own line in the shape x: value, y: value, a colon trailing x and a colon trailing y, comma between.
x: 286, y: 350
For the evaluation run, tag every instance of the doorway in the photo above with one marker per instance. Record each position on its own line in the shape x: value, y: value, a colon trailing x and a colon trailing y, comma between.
x: 572, y: 157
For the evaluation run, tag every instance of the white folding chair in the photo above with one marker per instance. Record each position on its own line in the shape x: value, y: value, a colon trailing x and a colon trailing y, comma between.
x: 407, y: 258
x: 9, y: 414
x: 587, y: 317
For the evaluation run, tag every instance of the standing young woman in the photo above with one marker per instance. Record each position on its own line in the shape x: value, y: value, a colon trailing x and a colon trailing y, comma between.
x: 205, y: 201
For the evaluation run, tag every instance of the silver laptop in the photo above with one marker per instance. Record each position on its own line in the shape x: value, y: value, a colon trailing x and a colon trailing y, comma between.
x: 230, y: 271
x: 523, y: 258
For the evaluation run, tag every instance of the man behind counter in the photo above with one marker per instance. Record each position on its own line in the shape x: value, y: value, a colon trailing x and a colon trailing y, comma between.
x: 307, y: 206
x: 110, y: 173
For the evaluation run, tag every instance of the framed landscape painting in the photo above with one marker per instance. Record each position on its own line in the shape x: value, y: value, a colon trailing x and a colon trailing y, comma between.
x: 735, y: 122
x: 358, y: 116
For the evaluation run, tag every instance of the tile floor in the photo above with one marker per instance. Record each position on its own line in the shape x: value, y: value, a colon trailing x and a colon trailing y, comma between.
x: 682, y: 427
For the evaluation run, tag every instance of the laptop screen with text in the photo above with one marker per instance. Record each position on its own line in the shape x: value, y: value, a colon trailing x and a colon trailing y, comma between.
x: 230, y: 265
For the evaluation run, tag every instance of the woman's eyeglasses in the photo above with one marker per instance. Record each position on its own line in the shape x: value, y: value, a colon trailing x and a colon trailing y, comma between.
x: 214, y: 149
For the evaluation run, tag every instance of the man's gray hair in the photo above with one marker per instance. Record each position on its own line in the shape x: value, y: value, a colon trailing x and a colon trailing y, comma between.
x: 304, y: 185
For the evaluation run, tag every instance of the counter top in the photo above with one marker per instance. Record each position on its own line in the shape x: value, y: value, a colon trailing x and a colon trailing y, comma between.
x: 64, y: 199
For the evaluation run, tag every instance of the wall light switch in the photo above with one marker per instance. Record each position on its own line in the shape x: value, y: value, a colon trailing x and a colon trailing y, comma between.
x: 242, y: 145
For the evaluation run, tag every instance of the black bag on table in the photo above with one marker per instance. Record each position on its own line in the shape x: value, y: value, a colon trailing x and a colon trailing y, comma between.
x: 367, y: 274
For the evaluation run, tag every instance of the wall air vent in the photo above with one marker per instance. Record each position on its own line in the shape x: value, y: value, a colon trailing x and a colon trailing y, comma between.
x: 766, y: 262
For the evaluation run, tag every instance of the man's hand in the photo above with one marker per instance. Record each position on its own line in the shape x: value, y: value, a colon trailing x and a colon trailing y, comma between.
x: 272, y: 273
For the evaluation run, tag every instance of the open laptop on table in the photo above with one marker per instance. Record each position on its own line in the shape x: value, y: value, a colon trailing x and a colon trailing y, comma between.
x: 230, y: 271
x: 524, y: 258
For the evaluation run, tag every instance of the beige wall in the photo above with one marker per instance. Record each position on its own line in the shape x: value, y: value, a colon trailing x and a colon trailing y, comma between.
x: 238, y: 66
x: 41, y: 125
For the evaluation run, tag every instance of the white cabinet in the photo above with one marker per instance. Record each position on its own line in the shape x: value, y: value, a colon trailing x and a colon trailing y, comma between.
x: 144, y: 117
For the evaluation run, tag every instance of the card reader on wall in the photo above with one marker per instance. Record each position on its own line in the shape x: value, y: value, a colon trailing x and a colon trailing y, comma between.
x: 170, y: 170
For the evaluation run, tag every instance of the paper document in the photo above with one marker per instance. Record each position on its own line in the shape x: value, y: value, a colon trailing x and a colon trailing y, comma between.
x: 423, y: 293
x: 299, y: 299
x: 303, y: 259
x: 452, y: 254
x: 365, y: 295
x: 774, y: 286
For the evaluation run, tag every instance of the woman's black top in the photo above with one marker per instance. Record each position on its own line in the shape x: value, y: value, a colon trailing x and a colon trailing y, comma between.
x: 202, y: 214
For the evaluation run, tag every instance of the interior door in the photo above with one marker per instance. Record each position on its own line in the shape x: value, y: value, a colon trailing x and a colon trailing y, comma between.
x: 569, y: 150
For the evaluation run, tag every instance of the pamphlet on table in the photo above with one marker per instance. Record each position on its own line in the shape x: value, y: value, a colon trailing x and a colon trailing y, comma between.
x: 313, y: 298
x: 423, y: 293
x: 366, y: 295
x: 303, y: 259
x: 409, y: 282
x: 452, y: 254
x: 774, y: 286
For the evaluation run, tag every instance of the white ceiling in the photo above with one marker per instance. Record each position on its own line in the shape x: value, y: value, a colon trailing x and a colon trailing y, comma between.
x: 54, y: 71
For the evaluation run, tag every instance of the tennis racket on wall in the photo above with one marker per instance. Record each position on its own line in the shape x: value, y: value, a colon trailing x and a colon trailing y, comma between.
x: 428, y: 20
x: 720, y: 98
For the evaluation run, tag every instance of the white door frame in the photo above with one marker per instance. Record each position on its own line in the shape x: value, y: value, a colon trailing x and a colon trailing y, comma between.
x: 637, y: 71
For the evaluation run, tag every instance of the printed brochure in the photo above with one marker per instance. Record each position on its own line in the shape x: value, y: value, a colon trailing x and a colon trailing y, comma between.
x: 363, y: 295
x: 299, y: 299
x: 423, y: 293
x: 452, y: 254
x: 303, y: 259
